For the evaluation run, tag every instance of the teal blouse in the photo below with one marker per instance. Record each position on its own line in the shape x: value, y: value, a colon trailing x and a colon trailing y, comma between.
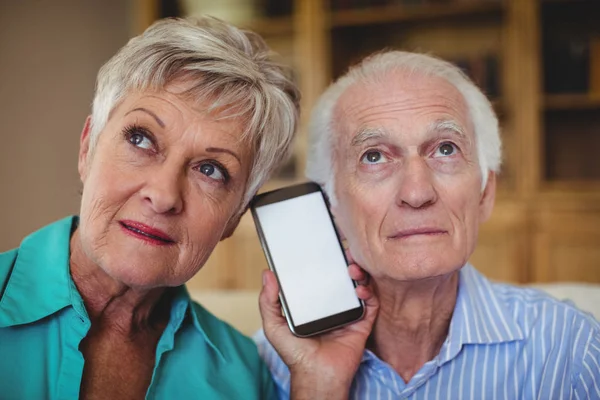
x: 43, y: 320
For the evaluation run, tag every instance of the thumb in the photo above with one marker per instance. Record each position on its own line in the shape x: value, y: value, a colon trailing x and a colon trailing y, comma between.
x: 270, y: 307
x: 371, y: 301
x: 372, y: 309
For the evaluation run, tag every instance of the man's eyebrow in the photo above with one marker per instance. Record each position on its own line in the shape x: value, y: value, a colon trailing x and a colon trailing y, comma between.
x: 447, y: 125
x: 142, y: 109
x: 221, y: 150
x: 367, y: 134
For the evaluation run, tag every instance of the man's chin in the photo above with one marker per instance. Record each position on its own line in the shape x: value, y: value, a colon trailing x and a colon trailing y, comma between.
x: 419, y: 267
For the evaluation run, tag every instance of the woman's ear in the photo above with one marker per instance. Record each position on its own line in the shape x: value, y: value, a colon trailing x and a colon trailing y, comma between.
x: 233, y: 223
x: 231, y: 226
x: 84, y: 149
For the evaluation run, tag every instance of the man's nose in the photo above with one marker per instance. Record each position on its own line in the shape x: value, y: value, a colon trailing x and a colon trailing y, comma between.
x: 415, y: 186
x: 163, y: 191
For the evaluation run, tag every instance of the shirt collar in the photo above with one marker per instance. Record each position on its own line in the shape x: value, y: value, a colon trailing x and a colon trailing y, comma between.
x: 205, y: 323
x: 40, y: 283
x: 479, y: 316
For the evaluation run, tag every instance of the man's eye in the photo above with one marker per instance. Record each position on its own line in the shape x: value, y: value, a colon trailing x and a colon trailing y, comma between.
x: 138, y: 139
x: 445, y: 149
x: 373, y: 157
x: 213, y: 171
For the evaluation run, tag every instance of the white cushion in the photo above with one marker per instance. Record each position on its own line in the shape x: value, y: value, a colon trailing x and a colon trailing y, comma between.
x: 240, y: 307
x: 585, y: 296
x: 237, y: 307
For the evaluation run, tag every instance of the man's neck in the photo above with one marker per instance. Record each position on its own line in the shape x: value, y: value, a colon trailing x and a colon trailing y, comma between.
x: 413, y: 321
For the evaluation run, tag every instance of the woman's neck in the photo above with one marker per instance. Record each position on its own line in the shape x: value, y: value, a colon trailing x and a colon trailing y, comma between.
x: 413, y: 321
x: 112, y: 304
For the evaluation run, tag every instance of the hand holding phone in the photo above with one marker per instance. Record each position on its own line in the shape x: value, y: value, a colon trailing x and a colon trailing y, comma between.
x: 321, y: 366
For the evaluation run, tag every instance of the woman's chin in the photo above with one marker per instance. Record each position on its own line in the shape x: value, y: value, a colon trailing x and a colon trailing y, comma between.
x: 138, y: 274
x: 135, y: 263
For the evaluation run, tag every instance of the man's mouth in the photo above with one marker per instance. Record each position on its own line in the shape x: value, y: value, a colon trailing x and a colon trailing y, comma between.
x: 406, y: 233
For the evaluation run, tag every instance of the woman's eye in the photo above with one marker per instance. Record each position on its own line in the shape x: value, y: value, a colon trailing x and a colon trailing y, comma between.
x: 140, y: 140
x: 445, y: 149
x: 213, y: 171
x: 373, y: 157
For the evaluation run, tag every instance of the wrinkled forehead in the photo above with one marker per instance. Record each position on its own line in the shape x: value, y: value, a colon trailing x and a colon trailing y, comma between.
x: 414, y: 100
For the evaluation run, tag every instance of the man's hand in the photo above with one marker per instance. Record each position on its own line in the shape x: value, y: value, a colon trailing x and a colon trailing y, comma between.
x: 322, y: 366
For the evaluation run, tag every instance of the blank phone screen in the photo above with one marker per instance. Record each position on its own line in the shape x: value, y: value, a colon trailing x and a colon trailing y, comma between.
x: 307, y: 258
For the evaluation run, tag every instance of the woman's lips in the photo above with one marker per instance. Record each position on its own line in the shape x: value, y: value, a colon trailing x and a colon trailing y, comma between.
x: 146, y: 233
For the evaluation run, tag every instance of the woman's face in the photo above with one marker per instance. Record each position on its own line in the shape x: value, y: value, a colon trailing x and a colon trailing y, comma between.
x: 162, y: 186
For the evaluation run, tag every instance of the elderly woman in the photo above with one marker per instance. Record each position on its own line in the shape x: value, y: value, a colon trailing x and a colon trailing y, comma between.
x: 408, y: 149
x: 188, y: 120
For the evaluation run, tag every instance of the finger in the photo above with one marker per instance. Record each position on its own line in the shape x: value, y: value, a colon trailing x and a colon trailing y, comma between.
x: 269, y: 305
x: 364, y: 292
x: 369, y: 297
x: 358, y: 274
x: 348, y: 254
x: 371, y: 305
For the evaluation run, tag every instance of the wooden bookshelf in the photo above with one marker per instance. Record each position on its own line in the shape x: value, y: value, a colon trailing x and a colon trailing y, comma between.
x: 499, y: 106
x: 587, y: 190
x: 413, y: 13
x: 273, y: 26
x: 546, y: 223
x: 563, y: 1
x: 576, y: 101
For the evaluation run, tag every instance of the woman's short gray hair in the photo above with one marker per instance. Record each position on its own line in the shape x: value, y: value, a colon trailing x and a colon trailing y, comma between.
x: 231, y: 68
x: 319, y: 167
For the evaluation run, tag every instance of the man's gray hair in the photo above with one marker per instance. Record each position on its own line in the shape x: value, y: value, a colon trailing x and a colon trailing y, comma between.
x: 319, y: 166
x: 230, y: 68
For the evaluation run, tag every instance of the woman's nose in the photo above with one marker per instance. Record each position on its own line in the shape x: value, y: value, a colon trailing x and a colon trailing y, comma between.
x: 163, y: 191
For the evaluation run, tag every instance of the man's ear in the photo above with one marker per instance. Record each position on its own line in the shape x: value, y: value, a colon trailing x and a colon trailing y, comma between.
x: 84, y: 148
x: 338, y: 228
x: 486, y: 204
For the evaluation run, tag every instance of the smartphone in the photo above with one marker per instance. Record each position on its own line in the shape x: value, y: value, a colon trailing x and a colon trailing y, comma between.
x: 303, y: 249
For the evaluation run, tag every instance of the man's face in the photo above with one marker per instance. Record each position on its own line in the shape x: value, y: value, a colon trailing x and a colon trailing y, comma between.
x: 407, y: 178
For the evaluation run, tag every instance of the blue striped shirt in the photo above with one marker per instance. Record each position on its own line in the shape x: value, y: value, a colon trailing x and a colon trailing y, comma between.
x: 504, y: 342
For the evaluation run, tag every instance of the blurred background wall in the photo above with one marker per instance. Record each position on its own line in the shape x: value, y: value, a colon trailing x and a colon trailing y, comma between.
x: 537, y: 60
x: 50, y: 53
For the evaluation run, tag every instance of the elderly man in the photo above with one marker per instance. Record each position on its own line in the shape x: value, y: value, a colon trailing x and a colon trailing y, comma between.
x: 408, y: 149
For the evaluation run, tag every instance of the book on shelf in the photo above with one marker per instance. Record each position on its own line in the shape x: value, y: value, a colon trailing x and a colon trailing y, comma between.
x: 566, y: 64
x: 353, y: 4
x: 356, y: 4
x: 276, y: 8
x: 483, y: 71
x: 595, y: 66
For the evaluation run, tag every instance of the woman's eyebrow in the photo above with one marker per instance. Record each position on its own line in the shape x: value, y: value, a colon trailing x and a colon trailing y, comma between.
x: 221, y: 150
x: 153, y: 115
